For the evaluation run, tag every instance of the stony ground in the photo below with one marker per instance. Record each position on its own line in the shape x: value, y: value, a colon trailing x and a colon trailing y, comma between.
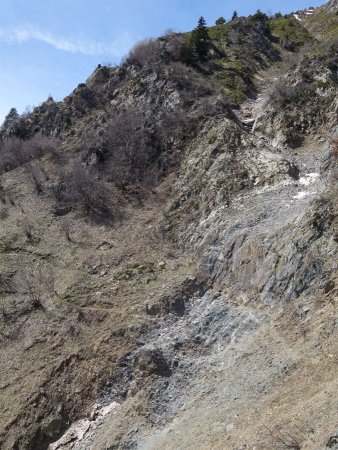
x: 233, y: 373
x: 205, y: 316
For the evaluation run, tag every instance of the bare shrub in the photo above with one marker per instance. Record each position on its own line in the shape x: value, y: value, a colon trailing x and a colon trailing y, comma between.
x: 281, y: 94
x: 6, y: 287
x: 28, y: 228
x: 2, y: 194
x: 334, y: 148
x: 15, y: 152
x: 66, y: 228
x: 173, y: 45
x: 127, y: 149
x: 4, y: 213
x: 183, y: 76
x: 144, y: 52
x: 172, y: 125
x: 39, y: 145
x: 136, y: 140
x: 287, y: 438
x: 39, y: 285
x: 81, y: 189
x: 11, y: 154
x: 212, y: 106
x: 191, y: 85
x: 35, y: 176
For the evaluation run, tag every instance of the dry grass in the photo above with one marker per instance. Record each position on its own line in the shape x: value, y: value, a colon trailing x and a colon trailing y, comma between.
x: 334, y: 148
x: 64, y: 312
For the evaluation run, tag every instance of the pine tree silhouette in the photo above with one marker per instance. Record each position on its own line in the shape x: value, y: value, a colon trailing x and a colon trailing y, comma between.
x: 201, y: 39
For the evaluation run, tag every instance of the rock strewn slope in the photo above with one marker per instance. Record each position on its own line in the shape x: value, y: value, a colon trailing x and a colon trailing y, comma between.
x: 204, y: 315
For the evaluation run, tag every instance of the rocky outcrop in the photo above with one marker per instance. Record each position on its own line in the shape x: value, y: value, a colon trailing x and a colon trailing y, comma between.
x: 200, y: 312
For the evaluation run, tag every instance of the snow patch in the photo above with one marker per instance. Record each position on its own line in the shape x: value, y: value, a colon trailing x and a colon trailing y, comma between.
x: 303, y: 194
x: 308, y: 178
x: 300, y: 195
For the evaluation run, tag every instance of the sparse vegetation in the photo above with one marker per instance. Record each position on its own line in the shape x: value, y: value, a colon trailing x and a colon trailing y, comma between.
x: 334, y: 148
x: 38, y: 285
x: 95, y: 198
x: 28, y: 228
x: 35, y: 176
x: 10, y: 124
x: 197, y: 45
x: 283, y: 438
x: 15, y: 152
x: 4, y: 213
x: 144, y: 53
x: 7, y: 243
x: 220, y: 21
x: 234, y: 16
x: 290, y: 33
x: 165, y: 202
x: 66, y: 228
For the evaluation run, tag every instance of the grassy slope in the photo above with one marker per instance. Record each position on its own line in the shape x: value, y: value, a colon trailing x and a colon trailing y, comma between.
x: 235, y: 77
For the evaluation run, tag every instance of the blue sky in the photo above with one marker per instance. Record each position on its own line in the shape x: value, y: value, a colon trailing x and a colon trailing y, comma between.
x: 47, y: 47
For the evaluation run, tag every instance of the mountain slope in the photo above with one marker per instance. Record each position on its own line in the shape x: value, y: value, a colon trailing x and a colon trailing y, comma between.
x: 169, y: 247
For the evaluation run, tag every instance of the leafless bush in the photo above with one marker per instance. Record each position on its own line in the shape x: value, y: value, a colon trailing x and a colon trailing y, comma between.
x: 127, y: 149
x: 4, y: 213
x: 81, y: 189
x: 173, y: 45
x: 172, y: 125
x: 334, y: 148
x: 182, y: 75
x: 35, y: 176
x: 144, y: 52
x: 285, y: 438
x: 15, y: 152
x: 212, y: 106
x: 2, y: 194
x: 11, y: 154
x: 28, y: 228
x: 39, y: 145
x: 66, y: 228
x: 38, y: 284
x: 281, y: 94
x: 137, y: 140
x: 6, y: 287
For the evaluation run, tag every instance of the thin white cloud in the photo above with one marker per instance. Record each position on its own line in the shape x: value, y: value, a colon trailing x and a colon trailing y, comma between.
x: 119, y: 47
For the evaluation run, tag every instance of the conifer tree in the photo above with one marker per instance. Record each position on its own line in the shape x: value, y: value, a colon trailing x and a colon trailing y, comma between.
x: 10, y: 124
x: 201, y: 39
x: 234, y: 15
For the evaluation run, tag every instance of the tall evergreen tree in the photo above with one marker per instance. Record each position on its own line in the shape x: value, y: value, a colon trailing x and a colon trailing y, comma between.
x: 234, y: 15
x: 201, y: 39
x: 11, y: 122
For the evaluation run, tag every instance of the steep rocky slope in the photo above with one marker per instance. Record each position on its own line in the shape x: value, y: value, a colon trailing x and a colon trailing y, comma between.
x: 169, y: 249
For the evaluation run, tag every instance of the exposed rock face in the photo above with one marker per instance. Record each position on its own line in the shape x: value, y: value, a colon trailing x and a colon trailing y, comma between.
x: 197, y: 308
x: 273, y: 264
x: 331, y: 6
